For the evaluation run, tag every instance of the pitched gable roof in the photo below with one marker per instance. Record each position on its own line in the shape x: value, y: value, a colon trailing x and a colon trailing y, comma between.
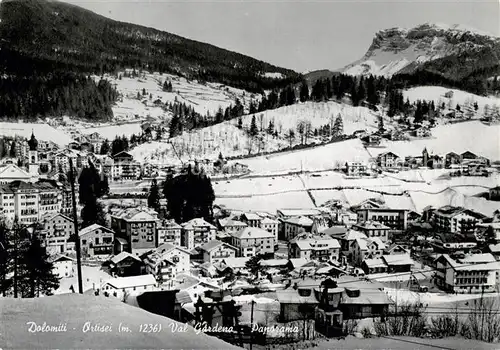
x: 214, y: 244
x: 93, y: 227
x: 252, y: 233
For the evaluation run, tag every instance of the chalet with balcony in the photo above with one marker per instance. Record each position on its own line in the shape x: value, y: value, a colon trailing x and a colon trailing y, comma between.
x: 168, y: 231
x: 471, y: 275
x: 166, y: 262
x: 314, y: 247
x: 125, y: 264
x: 251, y: 219
x: 456, y: 219
x: 395, y: 219
x: 96, y: 240
x: 137, y: 226
x: 56, y: 231
x: 373, y: 229
x: 216, y: 251
x: 120, y: 286
x: 252, y: 241
x: 388, y: 160
x: 197, y: 232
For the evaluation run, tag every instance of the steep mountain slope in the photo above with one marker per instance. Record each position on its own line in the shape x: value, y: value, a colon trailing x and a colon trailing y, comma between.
x: 453, y: 52
x: 45, y: 35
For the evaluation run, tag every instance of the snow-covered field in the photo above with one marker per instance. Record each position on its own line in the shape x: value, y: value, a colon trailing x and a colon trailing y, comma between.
x: 404, y: 295
x: 111, y: 131
x: 202, y: 97
x: 437, y: 94
x: 274, y: 192
x: 471, y: 136
x: 42, y: 131
x: 312, y: 159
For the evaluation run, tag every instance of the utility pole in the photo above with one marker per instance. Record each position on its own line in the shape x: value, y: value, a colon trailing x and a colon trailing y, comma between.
x: 251, y: 325
x: 75, y: 221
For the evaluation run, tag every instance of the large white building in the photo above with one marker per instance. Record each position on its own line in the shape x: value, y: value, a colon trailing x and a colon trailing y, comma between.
x: 29, y: 202
x: 251, y: 241
x: 166, y: 262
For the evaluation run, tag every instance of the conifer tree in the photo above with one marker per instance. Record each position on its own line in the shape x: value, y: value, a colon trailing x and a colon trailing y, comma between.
x: 38, y: 277
x: 104, y: 147
x: 253, y: 127
x: 270, y: 128
x: 304, y: 92
x: 338, y: 126
x: 12, y: 152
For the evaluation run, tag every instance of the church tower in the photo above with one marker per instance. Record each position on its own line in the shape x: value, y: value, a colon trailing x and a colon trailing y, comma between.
x: 425, y: 157
x: 33, y: 164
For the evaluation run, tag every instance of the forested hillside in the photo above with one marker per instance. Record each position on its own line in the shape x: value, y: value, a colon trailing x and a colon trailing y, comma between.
x: 69, y: 37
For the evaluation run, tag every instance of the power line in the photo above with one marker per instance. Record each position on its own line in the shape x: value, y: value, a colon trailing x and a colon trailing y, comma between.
x: 417, y: 343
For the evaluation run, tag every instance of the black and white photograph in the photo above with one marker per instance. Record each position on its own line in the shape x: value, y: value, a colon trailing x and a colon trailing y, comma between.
x: 259, y: 175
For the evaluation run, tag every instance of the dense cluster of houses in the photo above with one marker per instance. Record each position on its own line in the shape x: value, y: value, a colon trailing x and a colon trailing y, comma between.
x: 466, y: 164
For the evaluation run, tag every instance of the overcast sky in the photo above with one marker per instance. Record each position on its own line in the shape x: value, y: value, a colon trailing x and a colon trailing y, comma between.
x: 297, y: 34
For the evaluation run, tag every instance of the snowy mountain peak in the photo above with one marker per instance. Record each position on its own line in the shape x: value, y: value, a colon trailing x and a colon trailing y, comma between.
x: 402, y: 50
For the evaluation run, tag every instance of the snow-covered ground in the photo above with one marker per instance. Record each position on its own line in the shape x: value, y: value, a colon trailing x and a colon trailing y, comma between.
x: 92, y: 277
x: 202, y: 97
x: 404, y: 295
x: 42, y: 131
x: 437, y: 94
x: 456, y: 138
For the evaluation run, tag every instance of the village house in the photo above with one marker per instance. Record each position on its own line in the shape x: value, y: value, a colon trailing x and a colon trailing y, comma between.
x: 252, y: 241
x: 11, y: 172
x: 452, y: 158
x: 234, y: 265
x: 96, y: 240
x: 373, y: 229
x: 468, y: 276
x: 215, y: 251
x: 356, y: 168
x: 298, y: 304
x: 395, y: 219
x: 168, y: 231
x: 137, y: 226
x: 283, y: 214
x: 29, y: 202
x: 57, y: 228
x: 251, y: 219
x: 124, y: 167
x: 125, y: 264
x: 314, y: 247
x: 422, y: 132
x: 166, y: 262
x: 121, y: 286
x: 388, y: 160
x: 491, y: 231
x: 197, y: 232
x: 229, y: 225
x: 62, y: 159
x: 362, y: 249
x: 62, y: 265
x: 272, y: 226
x: 296, y: 225
x: 468, y: 155
x: 494, y: 193
x: 455, y: 219
x: 452, y: 243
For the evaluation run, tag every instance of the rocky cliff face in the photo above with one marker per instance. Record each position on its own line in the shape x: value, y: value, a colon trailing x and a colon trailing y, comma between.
x: 427, y: 46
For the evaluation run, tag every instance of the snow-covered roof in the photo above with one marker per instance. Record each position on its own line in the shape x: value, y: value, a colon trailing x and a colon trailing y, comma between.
x: 400, y: 259
x: 122, y: 256
x: 213, y: 244
x: 132, y: 281
x: 300, y: 221
x: 273, y: 262
x: 252, y: 233
x: 478, y: 258
x: 235, y: 262
x: 299, y: 212
x: 93, y: 227
x: 372, y: 263
x: 197, y: 222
